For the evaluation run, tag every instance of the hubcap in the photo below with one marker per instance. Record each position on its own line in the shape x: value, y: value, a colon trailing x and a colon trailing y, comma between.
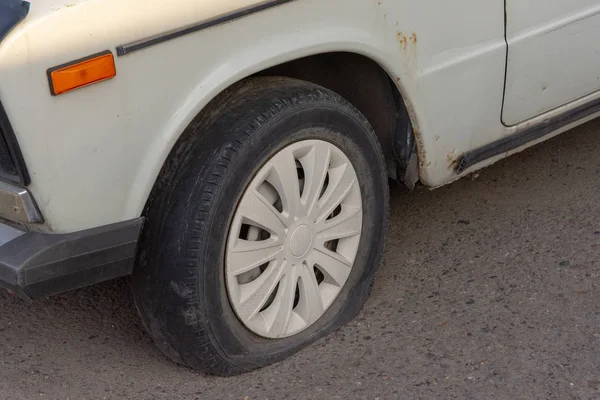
x: 301, y: 240
x: 293, y: 239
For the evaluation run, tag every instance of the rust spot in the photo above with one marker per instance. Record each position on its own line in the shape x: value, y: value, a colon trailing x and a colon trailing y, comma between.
x: 402, y: 40
x: 451, y: 157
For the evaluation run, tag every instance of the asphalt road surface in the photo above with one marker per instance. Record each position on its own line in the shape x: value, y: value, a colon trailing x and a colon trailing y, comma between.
x: 490, y: 289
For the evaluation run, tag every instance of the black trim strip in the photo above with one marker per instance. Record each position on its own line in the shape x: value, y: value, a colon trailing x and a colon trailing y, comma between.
x: 538, y: 131
x: 51, y: 70
x: 163, y: 37
x: 22, y: 176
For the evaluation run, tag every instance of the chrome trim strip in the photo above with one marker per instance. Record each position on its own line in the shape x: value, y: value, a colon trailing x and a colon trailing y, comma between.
x: 17, y: 205
x: 219, y: 20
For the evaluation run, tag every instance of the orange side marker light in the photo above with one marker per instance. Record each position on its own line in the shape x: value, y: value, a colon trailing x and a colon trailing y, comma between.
x: 80, y: 73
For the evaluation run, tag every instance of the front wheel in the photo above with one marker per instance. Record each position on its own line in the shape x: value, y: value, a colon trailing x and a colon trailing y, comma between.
x: 265, y: 228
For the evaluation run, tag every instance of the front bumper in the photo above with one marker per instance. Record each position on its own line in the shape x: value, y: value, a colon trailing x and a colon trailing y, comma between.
x: 36, y: 265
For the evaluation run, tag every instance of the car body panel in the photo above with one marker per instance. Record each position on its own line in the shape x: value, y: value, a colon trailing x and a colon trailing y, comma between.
x: 554, y: 55
x: 94, y: 153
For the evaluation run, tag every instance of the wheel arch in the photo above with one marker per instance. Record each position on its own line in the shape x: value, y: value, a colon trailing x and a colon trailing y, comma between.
x: 367, y: 85
x: 392, y: 115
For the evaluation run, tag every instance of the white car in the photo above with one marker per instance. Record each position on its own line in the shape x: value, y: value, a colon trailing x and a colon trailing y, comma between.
x: 234, y: 155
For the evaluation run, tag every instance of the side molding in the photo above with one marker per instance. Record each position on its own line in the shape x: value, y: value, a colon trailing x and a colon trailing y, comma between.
x: 529, y: 134
x: 219, y: 20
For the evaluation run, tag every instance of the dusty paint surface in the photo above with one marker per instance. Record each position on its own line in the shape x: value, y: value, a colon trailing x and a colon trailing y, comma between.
x: 136, y: 129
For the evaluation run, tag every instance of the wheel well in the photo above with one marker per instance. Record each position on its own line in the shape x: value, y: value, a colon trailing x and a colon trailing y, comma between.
x: 362, y: 82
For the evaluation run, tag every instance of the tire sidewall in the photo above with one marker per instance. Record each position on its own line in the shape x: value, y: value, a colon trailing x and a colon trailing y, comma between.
x: 354, y: 137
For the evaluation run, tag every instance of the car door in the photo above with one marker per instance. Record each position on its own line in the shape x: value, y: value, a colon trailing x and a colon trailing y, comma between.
x: 553, y: 55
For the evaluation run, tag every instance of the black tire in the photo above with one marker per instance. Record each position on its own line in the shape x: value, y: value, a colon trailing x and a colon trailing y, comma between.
x: 179, y: 283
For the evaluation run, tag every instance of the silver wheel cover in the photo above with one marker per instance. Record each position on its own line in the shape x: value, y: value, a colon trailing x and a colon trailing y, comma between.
x: 293, y: 239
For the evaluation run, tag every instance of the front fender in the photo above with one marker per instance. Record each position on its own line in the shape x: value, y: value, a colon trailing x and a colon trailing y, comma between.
x: 94, y: 154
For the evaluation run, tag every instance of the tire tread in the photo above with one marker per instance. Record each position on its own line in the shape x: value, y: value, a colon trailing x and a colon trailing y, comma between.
x: 215, y: 160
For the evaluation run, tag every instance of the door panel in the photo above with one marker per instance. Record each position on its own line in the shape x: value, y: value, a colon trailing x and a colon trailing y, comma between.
x: 553, y: 55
